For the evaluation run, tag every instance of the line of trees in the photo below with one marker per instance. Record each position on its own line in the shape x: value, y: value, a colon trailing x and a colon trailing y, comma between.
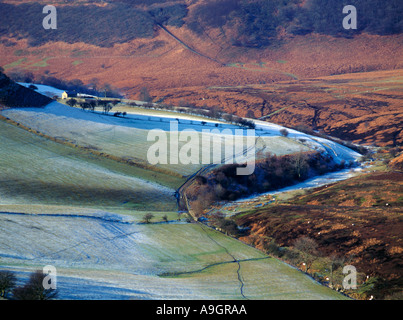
x: 32, y: 290
x: 271, y: 173
x: 91, y: 104
x: 92, y: 88
x: 149, y: 216
x: 213, y: 112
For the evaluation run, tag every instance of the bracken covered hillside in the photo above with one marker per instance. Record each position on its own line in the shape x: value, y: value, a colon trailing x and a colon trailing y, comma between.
x: 358, y: 220
x: 244, y: 23
x: 252, y: 58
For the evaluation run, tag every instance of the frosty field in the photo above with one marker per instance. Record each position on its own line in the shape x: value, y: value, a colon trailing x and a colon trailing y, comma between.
x: 83, y: 214
x: 128, y: 138
x: 35, y: 171
x: 110, y: 257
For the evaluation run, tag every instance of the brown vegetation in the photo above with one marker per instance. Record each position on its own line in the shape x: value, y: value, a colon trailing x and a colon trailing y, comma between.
x: 359, y: 219
x: 363, y: 108
x: 358, y: 97
x: 271, y: 173
x: 202, y: 53
x: 397, y: 163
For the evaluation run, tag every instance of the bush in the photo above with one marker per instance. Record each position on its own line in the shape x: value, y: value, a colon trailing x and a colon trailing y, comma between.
x: 309, y: 250
x: 272, y: 248
x: 284, y: 132
x: 34, y: 289
x: 229, y: 226
x: 148, y: 217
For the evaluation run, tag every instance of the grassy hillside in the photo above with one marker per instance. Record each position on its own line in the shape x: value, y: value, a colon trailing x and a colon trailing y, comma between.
x: 84, y: 214
x: 52, y: 174
x: 126, y: 139
x: 75, y: 185
x: 117, y: 258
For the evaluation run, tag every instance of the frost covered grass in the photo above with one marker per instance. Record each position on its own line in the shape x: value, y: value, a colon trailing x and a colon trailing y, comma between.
x: 36, y: 171
x: 113, y: 257
x: 82, y: 214
x: 127, y: 138
x: 45, y: 90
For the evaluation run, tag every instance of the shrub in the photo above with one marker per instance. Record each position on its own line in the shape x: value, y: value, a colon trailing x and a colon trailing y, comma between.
x: 148, y: 217
x: 34, y: 289
x: 229, y: 226
x: 284, y: 132
x: 309, y: 250
x: 272, y: 248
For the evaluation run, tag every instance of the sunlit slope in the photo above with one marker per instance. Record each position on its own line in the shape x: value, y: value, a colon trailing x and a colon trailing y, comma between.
x: 130, y: 139
x: 163, y: 143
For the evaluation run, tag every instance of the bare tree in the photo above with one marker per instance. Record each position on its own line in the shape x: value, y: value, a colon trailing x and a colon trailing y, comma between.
x: 335, y: 263
x: 309, y: 250
x: 107, y: 107
x: 198, y: 207
x: 284, y: 132
x: 205, y: 198
x: 34, y: 289
x: 147, y: 217
x: 7, y: 282
x: 71, y: 102
x: 301, y: 166
x: 92, y: 104
x: 228, y: 117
